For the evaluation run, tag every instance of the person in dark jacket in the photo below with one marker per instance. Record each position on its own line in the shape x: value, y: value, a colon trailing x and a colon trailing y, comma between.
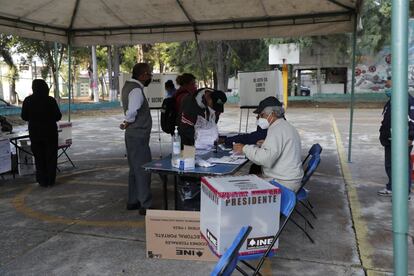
x: 385, y: 138
x: 203, y: 103
x: 188, y: 86
x: 42, y: 113
x: 245, y: 138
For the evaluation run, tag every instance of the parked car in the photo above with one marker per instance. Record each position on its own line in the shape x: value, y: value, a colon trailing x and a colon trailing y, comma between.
x: 304, y: 90
x: 6, y: 108
x: 4, y: 104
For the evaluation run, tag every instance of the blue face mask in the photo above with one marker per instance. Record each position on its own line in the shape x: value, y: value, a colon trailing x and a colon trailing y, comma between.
x: 388, y: 92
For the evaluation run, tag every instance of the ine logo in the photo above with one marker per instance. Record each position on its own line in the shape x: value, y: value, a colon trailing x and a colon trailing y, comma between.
x: 187, y: 252
x: 260, y: 242
x: 212, y: 239
x: 151, y: 255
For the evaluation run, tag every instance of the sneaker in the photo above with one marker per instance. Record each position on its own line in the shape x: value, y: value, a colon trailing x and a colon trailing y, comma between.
x: 384, y: 192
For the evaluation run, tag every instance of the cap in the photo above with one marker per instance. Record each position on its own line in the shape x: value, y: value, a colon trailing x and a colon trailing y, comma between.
x: 269, y: 101
x: 219, y: 99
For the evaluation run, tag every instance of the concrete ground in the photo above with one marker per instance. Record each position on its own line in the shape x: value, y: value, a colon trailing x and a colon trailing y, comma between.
x: 81, y: 227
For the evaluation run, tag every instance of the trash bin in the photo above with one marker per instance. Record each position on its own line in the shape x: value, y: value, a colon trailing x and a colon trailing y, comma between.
x: 188, y: 194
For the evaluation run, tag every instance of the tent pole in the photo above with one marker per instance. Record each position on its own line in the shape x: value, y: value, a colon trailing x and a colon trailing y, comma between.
x: 55, y: 52
x: 351, y: 115
x: 399, y: 113
x: 69, y: 78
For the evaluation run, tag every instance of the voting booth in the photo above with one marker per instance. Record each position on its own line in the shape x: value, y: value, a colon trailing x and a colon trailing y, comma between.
x: 231, y: 202
x: 255, y: 87
x: 155, y: 91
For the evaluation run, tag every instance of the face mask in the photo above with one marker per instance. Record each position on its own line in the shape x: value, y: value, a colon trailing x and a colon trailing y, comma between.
x: 200, y: 99
x: 263, y: 123
x: 388, y: 92
x: 147, y: 82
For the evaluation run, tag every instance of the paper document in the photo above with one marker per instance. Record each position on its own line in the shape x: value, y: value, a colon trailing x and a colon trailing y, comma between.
x: 236, y: 160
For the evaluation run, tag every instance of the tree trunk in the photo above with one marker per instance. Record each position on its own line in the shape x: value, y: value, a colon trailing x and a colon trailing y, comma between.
x: 220, y: 66
x: 13, y: 74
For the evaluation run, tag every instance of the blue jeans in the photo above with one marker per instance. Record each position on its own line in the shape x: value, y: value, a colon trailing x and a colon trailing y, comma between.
x: 387, y: 164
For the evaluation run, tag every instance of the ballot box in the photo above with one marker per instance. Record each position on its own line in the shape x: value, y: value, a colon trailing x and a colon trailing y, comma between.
x: 64, y: 134
x: 26, y: 162
x: 231, y: 202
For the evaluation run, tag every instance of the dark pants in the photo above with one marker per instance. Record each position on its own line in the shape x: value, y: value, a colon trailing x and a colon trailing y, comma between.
x: 387, y: 164
x: 139, y: 182
x: 45, y: 154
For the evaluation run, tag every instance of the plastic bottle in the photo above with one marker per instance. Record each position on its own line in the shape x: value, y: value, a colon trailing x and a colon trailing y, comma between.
x: 176, y: 148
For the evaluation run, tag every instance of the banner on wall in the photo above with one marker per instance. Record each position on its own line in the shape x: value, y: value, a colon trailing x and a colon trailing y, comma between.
x: 372, y: 71
x: 256, y: 86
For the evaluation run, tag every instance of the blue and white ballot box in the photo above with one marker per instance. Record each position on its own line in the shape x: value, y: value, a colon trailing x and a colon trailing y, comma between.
x: 231, y: 202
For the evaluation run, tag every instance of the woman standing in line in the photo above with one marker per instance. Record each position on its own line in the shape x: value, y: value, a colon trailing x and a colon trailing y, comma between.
x: 42, y: 113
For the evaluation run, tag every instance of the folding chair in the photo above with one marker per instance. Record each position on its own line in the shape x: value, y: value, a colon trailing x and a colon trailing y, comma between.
x: 287, y: 205
x: 302, y: 193
x: 228, y: 261
x: 63, y: 151
x: 316, y: 149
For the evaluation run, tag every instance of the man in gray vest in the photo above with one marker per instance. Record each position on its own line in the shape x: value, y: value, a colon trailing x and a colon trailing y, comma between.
x: 137, y: 125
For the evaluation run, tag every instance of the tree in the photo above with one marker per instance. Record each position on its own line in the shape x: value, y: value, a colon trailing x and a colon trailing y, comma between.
x: 6, y: 52
x: 45, y: 51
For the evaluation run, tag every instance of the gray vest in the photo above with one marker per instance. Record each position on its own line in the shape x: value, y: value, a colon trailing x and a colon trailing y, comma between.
x: 143, y: 120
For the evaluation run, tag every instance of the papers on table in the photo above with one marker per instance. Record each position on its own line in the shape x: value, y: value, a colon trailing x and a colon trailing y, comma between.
x: 232, y: 159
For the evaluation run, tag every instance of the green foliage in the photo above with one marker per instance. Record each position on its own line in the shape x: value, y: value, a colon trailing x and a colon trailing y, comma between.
x: 129, y: 57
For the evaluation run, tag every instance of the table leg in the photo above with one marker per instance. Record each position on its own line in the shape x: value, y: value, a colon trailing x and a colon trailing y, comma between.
x: 175, y: 192
x: 164, y: 179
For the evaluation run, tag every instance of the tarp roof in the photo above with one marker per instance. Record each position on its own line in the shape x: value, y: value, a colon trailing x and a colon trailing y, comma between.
x: 111, y: 22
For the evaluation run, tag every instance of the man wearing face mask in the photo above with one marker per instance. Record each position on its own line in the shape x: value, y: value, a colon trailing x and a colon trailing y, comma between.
x: 385, y: 138
x: 280, y: 153
x: 137, y: 126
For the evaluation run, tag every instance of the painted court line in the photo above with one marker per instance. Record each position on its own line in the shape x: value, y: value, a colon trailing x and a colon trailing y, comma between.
x: 364, y: 247
x: 19, y: 204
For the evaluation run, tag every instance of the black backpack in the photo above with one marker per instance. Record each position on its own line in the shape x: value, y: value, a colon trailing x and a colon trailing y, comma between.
x: 5, y: 125
x: 168, y: 115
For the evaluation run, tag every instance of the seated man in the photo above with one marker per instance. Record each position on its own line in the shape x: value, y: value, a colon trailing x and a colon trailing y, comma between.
x: 280, y: 153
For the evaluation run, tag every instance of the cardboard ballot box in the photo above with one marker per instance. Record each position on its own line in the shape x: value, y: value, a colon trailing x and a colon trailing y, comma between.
x: 64, y: 134
x: 229, y: 203
x: 26, y: 161
x: 175, y: 235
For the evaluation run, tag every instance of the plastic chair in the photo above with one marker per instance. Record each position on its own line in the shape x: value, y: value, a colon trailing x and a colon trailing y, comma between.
x: 287, y: 205
x: 316, y: 149
x: 302, y: 193
x: 228, y: 261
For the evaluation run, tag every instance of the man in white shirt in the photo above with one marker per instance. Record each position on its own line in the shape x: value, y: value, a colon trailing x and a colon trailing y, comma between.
x: 280, y: 153
x: 137, y: 125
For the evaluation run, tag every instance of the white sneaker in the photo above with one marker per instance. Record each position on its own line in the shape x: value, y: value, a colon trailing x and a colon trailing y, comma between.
x: 384, y: 192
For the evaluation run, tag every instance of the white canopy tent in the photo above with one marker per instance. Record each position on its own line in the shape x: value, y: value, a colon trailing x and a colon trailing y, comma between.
x: 122, y: 22
x: 110, y: 22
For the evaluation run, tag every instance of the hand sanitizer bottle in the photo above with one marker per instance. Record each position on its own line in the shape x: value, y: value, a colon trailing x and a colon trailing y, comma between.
x: 176, y: 149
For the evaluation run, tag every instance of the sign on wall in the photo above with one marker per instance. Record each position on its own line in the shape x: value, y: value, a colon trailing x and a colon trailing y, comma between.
x: 256, y: 86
